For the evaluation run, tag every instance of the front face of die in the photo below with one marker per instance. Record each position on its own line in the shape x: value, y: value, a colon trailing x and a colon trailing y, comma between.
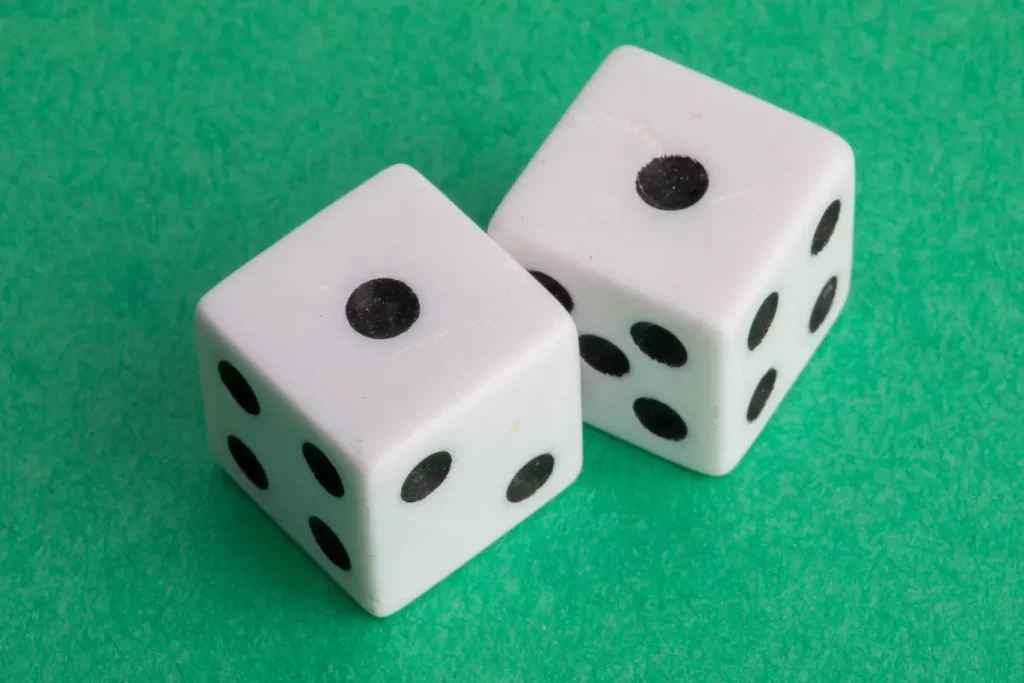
x: 647, y: 377
x: 422, y: 363
x: 485, y: 465
x: 669, y: 199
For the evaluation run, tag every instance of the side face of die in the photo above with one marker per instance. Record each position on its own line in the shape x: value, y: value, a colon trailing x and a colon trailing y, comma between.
x: 669, y: 208
x: 405, y: 369
x: 295, y: 473
x: 787, y: 316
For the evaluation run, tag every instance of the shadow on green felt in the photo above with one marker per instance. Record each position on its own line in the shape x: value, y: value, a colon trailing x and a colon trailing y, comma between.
x: 241, y: 535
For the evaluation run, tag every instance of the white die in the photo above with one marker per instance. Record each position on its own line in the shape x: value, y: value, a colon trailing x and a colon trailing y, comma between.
x: 675, y: 216
x: 392, y: 388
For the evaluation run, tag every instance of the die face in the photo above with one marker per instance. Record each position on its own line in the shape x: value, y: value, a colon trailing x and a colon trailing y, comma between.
x: 729, y: 173
x: 293, y: 472
x: 361, y: 319
x: 667, y: 402
x: 804, y: 297
x: 486, y: 465
x: 647, y: 376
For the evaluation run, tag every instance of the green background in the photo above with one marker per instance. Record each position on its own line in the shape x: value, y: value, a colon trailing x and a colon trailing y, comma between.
x: 148, y: 148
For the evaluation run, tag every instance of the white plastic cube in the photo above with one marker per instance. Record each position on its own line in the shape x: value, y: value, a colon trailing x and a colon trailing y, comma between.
x: 702, y: 239
x: 392, y: 388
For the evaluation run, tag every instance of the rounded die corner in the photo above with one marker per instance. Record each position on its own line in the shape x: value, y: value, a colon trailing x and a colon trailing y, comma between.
x: 404, y: 171
x: 627, y: 51
x: 721, y: 468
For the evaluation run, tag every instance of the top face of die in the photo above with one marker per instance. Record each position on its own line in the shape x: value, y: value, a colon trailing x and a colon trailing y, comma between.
x: 380, y: 311
x: 675, y: 186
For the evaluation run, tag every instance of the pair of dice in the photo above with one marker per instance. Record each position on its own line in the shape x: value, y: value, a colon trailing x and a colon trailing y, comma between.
x: 397, y: 388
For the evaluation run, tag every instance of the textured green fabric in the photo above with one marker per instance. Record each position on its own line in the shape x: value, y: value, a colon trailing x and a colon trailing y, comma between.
x: 875, y: 532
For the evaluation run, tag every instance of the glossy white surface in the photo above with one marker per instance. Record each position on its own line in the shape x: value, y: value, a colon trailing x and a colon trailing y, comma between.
x: 488, y: 372
x: 701, y: 272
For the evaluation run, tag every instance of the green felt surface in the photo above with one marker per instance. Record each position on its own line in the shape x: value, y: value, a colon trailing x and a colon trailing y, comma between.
x: 875, y: 532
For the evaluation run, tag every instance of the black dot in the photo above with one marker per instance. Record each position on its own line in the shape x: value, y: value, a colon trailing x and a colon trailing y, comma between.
x: 323, y: 469
x: 248, y: 462
x: 382, y: 308
x: 672, y: 182
x: 603, y: 356
x: 330, y: 544
x: 659, y: 344
x: 826, y: 226
x: 823, y: 305
x: 426, y: 477
x: 238, y: 387
x: 659, y: 419
x: 530, y: 478
x: 555, y: 287
x: 762, y: 320
x: 761, y: 393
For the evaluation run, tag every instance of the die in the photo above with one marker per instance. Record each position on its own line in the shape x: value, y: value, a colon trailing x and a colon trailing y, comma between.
x: 391, y: 388
x: 702, y: 239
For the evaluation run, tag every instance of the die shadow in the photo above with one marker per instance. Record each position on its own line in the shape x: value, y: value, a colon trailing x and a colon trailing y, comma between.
x: 273, y: 563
